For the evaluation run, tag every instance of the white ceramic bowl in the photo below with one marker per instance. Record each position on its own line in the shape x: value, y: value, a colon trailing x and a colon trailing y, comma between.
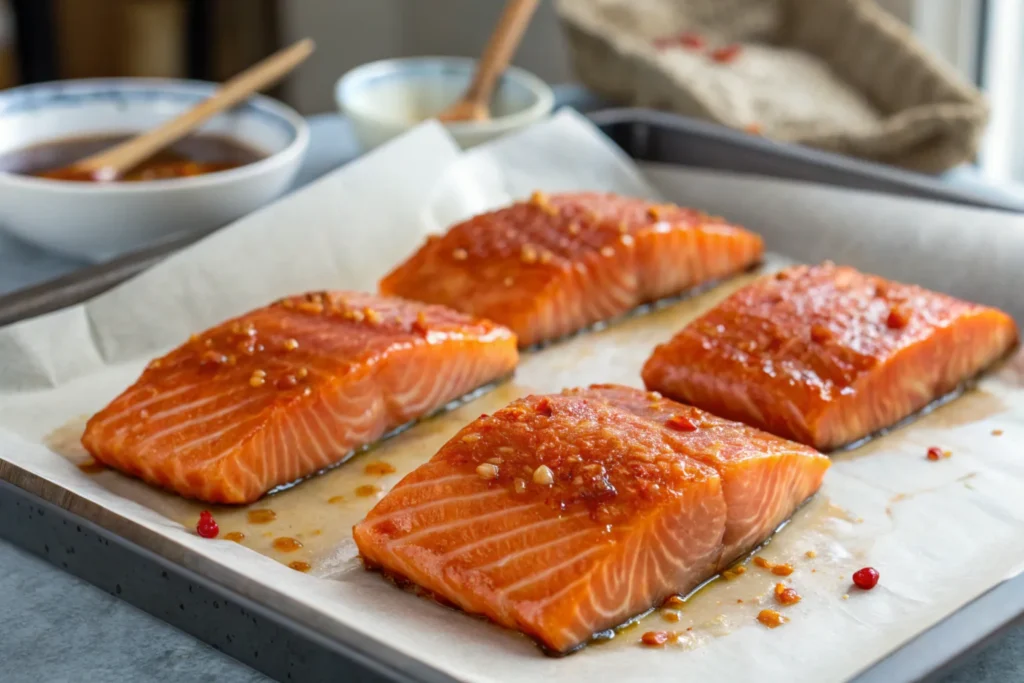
x: 97, y: 221
x: 384, y: 99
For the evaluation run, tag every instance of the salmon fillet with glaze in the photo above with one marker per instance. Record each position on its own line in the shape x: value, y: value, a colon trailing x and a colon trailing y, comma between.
x: 555, y: 264
x: 287, y: 390
x: 565, y: 515
x: 826, y: 355
x: 764, y: 478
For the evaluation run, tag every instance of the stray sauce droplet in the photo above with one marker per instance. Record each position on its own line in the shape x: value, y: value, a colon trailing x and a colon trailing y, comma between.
x: 771, y: 618
x: 366, y: 490
x: 236, y: 536
x: 335, y: 499
x: 300, y: 566
x: 379, y: 468
x: 286, y: 544
x: 261, y: 516
x: 654, y: 638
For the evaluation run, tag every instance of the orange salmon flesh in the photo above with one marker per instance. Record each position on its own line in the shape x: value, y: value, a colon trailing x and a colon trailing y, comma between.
x: 287, y: 390
x: 826, y: 355
x: 564, y: 515
x: 555, y: 264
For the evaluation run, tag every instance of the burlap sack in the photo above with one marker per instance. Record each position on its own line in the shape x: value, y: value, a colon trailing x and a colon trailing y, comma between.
x: 840, y: 75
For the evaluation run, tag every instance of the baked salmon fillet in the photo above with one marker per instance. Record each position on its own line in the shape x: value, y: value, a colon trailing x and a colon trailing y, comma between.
x: 565, y: 515
x: 289, y: 389
x: 552, y: 265
x: 826, y: 355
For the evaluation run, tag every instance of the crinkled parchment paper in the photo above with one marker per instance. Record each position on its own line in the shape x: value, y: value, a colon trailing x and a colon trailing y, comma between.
x: 941, y: 532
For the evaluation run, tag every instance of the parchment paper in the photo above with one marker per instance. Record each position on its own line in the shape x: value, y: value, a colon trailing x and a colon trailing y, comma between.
x: 941, y: 532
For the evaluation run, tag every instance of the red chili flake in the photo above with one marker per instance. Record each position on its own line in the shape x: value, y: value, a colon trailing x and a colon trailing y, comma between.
x: 207, y: 525
x: 691, y: 40
x: 898, y: 318
x: 544, y: 407
x: 681, y: 423
x: 654, y: 638
x: 820, y: 333
x: 687, y: 39
x: 420, y: 326
x: 934, y: 453
x: 726, y: 54
x: 866, y: 578
x: 286, y: 382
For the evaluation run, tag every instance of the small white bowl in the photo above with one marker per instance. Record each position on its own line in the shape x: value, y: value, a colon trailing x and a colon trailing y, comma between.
x: 96, y: 221
x: 384, y: 99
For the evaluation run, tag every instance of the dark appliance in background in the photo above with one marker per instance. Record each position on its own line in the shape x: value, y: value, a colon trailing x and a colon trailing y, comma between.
x: 202, y: 39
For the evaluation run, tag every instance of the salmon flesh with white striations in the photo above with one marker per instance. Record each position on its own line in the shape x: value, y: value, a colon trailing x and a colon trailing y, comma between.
x: 564, y: 515
x: 555, y: 264
x: 826, y: 355
x: 289, y: 389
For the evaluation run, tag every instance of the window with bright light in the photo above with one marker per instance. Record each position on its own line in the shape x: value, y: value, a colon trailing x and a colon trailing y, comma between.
x: 981, y: 39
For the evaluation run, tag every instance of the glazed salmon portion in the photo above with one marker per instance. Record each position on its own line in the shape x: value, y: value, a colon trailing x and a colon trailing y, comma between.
x: 764, y: 478
x: 560, y: 516
x: 826, y: 355
x: 287, y: 390
x: 555, y: 264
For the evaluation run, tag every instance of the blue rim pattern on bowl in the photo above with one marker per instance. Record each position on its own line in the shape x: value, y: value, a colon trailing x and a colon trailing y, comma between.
x: 71, y: 94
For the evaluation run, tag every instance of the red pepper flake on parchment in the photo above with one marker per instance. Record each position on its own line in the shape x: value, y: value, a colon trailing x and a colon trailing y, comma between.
x: 687, y: 39
x: 691, y: 40
x: 866, y: 578
x: 935, y: 453
x: 207, y: 525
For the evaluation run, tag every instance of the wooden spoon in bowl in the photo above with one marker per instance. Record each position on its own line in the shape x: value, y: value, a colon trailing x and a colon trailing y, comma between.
x: 112, y: 163
x: 475, y: 103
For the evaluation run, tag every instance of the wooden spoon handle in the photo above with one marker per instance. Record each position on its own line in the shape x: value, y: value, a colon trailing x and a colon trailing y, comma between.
x: 117, y: 160
x: 500, y: 48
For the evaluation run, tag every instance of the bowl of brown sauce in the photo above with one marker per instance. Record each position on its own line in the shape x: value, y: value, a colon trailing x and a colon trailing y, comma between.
x: 237, y: 162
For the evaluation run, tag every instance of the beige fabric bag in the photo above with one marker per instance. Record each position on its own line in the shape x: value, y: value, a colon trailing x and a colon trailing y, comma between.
x: 840, y: 75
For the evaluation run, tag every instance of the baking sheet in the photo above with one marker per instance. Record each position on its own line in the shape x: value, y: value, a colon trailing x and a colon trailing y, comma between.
x: 941, y: 533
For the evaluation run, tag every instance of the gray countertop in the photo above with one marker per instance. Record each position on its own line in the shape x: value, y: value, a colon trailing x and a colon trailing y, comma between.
x: 55, y: 627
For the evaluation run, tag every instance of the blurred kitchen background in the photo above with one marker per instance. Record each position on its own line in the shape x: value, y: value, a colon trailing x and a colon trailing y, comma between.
x: 212, y: 39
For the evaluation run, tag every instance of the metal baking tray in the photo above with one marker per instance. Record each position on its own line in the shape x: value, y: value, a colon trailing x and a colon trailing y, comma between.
x: 286, y: 650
